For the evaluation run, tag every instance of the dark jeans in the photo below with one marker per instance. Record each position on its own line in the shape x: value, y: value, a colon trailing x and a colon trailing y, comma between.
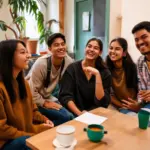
x: 17, y: 144
x: 147, y: 106
x: 127, y: 111
x: 57, y: 116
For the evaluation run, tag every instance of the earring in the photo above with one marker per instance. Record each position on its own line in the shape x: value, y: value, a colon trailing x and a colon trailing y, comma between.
x: 124, y: 54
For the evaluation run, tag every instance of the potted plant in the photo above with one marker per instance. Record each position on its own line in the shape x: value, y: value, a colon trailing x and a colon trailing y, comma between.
x: 17, y: 8
x: 47, y: 31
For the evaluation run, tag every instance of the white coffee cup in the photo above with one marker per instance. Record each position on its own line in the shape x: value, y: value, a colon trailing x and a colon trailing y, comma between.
x: 65, y: 134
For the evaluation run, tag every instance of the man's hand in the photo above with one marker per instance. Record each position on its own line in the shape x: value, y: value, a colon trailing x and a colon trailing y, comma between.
x: 131, y: 105
x: 144, y: 95
x: 52, y: 105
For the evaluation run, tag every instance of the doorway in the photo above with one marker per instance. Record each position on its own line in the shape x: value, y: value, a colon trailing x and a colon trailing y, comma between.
x: 96, y: 12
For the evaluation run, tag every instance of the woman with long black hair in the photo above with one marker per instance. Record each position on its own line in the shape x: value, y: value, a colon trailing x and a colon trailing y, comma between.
x: 124, y: 76
x: 86, y: 83
x: 19, y: 117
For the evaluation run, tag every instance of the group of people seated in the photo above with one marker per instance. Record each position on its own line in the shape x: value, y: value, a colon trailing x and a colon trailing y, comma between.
x: 58, y: 89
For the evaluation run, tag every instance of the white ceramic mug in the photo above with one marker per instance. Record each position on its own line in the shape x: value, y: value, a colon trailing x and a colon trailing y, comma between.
x: 65, y: 134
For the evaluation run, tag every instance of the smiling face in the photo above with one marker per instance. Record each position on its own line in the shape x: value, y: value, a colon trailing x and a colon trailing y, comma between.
x: 21, y: 58
x: 58, y: 48
x: 142, y: 41
x: 92, y: 50
x: 115, y: 51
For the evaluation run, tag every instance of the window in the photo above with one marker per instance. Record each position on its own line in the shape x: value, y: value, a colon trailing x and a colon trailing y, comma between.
x: 31, y: 25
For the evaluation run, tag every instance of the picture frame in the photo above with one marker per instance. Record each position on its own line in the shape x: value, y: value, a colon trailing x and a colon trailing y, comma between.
x: 86, y: 21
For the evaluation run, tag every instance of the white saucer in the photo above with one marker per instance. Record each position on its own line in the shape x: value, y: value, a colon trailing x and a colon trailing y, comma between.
x: 60, y: 147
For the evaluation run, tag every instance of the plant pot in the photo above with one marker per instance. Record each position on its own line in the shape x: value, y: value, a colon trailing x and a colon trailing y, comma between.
x: 43, y: 52
x: 32, y: 45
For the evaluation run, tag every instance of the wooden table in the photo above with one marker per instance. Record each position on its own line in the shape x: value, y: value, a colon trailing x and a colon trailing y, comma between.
x: 123, y: 134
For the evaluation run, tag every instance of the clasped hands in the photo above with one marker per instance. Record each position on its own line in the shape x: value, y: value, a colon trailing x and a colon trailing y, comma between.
x: 131, y: 104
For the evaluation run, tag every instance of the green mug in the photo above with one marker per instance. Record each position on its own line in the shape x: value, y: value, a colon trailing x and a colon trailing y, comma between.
x: 143, y: 117
x: 95, y: 132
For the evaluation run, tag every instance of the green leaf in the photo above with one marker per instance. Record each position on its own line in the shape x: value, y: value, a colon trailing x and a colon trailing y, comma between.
x: 21, y: 21
x: 34, y: 7
x: 27, y: 7
x: 3, y: 25
x: 44, y: 35
x: 40, y: 21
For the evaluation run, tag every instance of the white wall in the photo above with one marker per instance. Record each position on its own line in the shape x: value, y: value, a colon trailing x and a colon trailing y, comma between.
x: 115, y: 19
x: 53, y: 13
x: 133, y: 11
x: 69, y: 24
x: 52, y: 9
x: 5, y: 16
